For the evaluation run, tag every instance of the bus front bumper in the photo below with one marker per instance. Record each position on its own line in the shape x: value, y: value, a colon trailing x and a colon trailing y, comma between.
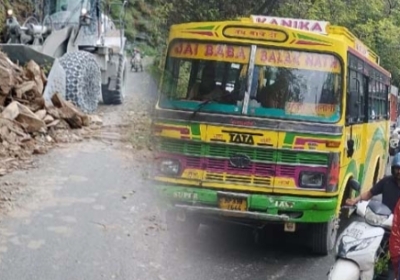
x: 260, y: 207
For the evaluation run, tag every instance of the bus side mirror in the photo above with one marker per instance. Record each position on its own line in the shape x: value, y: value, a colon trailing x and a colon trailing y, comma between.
x: 354, y: 185
x: 350, y: 148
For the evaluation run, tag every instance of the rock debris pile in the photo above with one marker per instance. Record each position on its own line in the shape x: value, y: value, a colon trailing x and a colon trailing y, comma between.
x: 29, y: 125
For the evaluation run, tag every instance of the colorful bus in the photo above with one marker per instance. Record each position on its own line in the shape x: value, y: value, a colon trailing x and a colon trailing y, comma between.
x: 269, y: 120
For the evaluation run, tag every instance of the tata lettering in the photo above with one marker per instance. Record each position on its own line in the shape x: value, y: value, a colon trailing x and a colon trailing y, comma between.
x: 241, y: 138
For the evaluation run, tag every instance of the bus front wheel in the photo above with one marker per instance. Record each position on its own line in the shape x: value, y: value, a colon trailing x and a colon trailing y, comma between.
x: 323, y: 237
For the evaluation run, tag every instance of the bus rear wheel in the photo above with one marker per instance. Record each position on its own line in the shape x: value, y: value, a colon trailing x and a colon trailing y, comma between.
x: 323, y: 237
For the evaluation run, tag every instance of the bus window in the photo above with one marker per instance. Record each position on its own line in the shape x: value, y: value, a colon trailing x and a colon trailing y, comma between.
x: 354, y: 106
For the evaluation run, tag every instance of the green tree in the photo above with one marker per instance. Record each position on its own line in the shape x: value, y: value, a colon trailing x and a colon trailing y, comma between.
x: 375, y: 22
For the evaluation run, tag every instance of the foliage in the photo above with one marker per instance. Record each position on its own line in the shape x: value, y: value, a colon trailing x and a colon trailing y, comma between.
x: 381, y: 264
x: 375, y: 22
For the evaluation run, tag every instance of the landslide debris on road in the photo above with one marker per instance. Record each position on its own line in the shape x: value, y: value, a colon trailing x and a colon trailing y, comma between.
x: 27, y: 124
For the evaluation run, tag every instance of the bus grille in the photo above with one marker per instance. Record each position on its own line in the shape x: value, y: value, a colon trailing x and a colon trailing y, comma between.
x: 213, y: 160
x: 255, y: 153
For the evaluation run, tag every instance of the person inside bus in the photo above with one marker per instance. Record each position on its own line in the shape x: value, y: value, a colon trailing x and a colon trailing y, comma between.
x: 207, y: 89
x: 275, y: 88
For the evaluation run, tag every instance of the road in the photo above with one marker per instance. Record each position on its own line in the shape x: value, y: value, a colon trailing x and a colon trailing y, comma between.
x: 88, y: 212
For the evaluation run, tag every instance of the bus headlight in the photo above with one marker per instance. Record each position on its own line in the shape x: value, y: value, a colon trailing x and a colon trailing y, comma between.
x: 313, y: 180
x: 170, y: 167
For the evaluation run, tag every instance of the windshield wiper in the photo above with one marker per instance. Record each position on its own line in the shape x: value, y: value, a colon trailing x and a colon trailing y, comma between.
x: 201, y: 106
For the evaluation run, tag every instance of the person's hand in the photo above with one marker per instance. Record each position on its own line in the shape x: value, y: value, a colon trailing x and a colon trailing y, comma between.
x: 351, y: 201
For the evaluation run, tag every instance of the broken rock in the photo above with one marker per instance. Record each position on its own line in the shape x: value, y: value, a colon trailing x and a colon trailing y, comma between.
x: 48, y: 119
x: 27, y: 125
x: 6, y: 80
x: 41, y: 114
x: 52, y: 111
x: 94, y: 119
x: 33, y: 72
x: 69, y: 110
x: 25, y: 87
x: 36, y: 104
x: 22, y: 114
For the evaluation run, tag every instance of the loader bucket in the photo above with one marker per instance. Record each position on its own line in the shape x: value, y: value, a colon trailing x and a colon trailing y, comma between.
x: 21, y: 54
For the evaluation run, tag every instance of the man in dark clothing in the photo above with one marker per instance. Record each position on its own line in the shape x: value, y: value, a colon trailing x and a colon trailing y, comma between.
x: 389, y: 187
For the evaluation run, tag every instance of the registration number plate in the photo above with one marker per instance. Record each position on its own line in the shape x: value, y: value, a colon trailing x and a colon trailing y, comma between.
x: 235, y: 203
x: 290, y: 227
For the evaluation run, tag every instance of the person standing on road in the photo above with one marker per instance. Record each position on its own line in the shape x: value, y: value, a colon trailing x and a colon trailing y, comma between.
x: 388, y: 187
x: 136, y: 60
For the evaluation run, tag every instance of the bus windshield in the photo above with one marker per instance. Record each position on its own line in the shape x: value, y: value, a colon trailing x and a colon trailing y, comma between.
x: 196, y: 72
x: 285, y: 84
x: 296, y: 84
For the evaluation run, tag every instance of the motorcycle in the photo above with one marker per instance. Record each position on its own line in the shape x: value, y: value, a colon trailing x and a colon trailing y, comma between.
x: 362, y: 250
x: 394, y: 141
x: 136, y: 62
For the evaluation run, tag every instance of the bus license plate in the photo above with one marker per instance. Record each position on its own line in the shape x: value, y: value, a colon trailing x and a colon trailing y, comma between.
x: 233, y: 203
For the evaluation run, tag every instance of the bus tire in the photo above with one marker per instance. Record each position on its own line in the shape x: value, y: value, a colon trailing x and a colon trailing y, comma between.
x: 323, y: 237
x: 117, y: 96
x: 345, y: 213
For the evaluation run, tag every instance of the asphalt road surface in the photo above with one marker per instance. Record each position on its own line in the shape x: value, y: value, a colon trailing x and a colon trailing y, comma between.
x: 88, y: 213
